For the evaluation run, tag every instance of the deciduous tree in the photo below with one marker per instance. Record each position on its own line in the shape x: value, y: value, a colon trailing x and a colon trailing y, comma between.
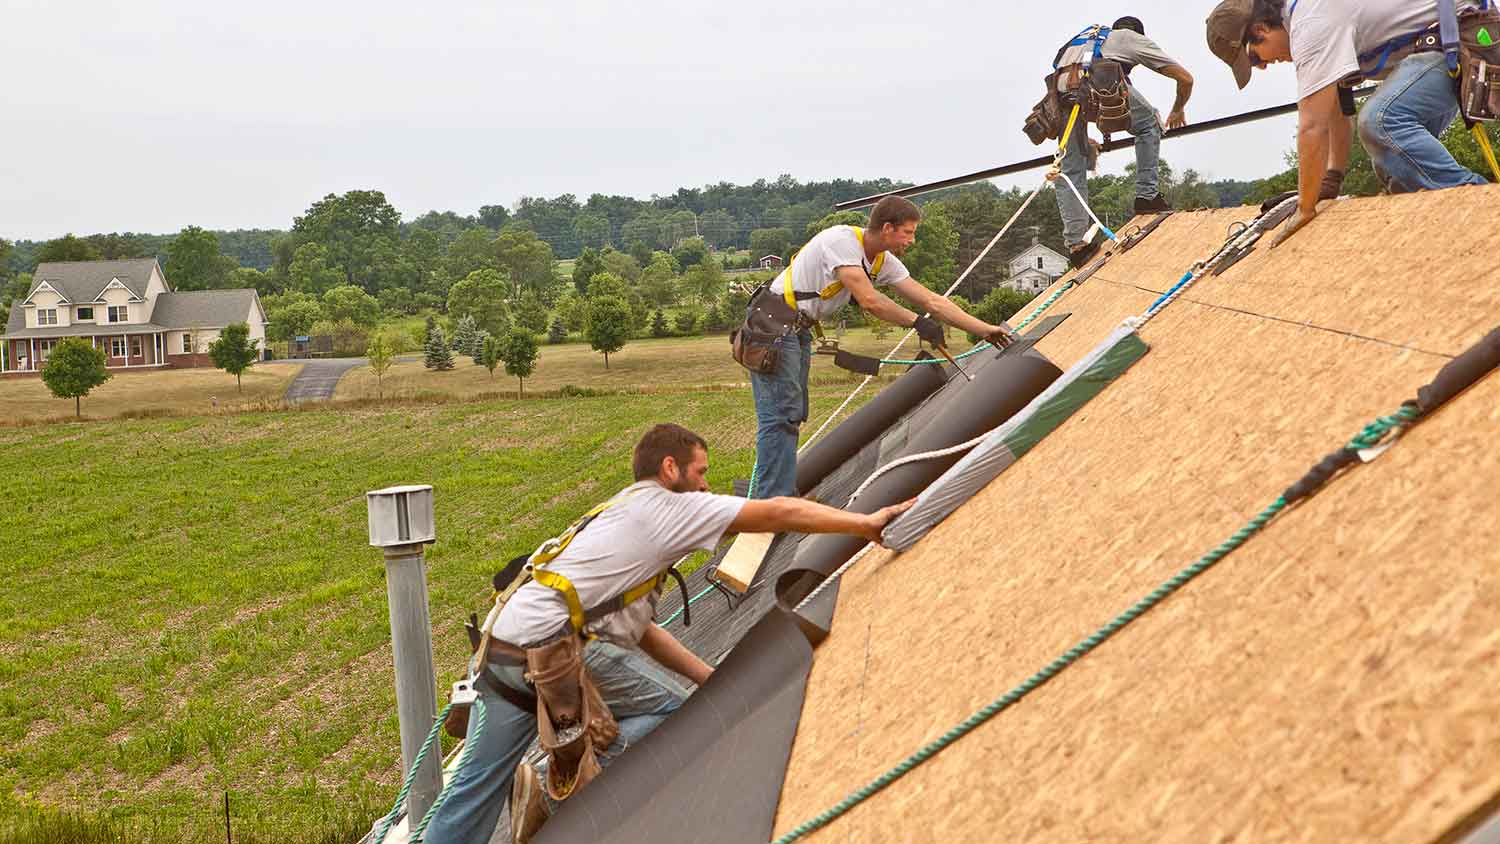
x: 73, y: 369
x: 67, y: 248
x: 195, y: 263
x: 234, y: 351
x: 352, y: 303
x: 380, y: 356
x: 482, y: 295
x: 608, y: 324
x: 519, y: 352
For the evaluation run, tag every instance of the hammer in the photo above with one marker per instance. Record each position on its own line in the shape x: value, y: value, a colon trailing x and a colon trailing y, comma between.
x: 943, y: 350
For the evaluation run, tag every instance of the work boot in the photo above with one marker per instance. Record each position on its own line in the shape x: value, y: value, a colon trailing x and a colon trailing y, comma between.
x: 1081, y: 254
x: 528, y: 805
x: 1154, y: 205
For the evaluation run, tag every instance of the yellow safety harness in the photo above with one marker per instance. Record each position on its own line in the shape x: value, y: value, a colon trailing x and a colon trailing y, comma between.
x: 833, y: 289
x: 552, y: 548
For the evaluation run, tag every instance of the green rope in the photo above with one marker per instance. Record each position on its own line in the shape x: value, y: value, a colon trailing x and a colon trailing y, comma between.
x: 476, y: 712
x: 1369, y: 437
x: 1051, y: 300
x: 687, y: 603
x: 411, y: 776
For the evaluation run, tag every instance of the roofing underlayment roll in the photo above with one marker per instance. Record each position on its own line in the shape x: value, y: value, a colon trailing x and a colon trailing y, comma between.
x: 981, y: 465
x: 1001, y: 388
x: 870, y: 421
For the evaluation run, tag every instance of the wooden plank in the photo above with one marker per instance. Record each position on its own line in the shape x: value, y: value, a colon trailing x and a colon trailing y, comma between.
x: 740, y: 565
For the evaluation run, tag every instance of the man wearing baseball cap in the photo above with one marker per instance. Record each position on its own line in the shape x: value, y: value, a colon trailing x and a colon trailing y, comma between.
x: 1338, y: 43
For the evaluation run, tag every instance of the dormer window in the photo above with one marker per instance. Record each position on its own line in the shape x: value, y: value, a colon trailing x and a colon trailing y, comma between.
x: 119, y: 313
x: 1039, y: 262
x: 46, y: 316
x: 85, y: 312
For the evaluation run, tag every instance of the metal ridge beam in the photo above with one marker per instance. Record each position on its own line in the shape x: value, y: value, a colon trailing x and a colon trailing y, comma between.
x: 1044, y: 160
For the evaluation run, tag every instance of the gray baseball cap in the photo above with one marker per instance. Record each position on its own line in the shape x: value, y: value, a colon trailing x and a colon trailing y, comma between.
x: 1226, y: 36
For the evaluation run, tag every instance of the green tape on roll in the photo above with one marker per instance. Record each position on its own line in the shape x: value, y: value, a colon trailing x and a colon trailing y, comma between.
x: 1484, y: 38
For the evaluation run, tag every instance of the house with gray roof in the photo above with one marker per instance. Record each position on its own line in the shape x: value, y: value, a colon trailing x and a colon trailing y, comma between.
x: 125, y: 308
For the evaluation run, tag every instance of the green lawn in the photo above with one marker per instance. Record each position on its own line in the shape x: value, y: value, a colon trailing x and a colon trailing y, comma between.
x: 190, y: 607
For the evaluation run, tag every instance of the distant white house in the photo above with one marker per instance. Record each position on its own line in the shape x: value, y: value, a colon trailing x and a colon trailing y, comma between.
x: 1035, y: 269
x: 125, y: 308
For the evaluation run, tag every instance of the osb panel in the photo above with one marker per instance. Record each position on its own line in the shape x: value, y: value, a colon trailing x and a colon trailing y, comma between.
x: 1159, y: 261
x: 1331, y: 681
x: 1379, y: 266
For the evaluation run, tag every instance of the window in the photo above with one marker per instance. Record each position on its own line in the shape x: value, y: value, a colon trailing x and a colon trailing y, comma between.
x: 1039, y: 263
x: 44, y: 349
x: 119, y: 313
x: 135, y: 347
x: 46, y: 316
x: 85, y: 313
x: 117, y: 347
x: 187, y: 342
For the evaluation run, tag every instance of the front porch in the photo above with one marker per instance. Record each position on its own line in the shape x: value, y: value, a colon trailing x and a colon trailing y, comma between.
x: 143, y: 350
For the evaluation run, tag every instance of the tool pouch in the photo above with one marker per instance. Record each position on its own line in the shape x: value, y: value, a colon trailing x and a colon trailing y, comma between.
x: 1046, y: 119
x: 1109, y: 95
x: 1479, y: 66
x: 769, y: 323
x: 573, y: 724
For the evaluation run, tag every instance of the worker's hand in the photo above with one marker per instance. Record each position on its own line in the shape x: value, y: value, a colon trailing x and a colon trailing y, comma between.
x: 1176, y: 120
x: 1292, y: 226
x: 999, y: 336
x: 876, y: 521
x: 930, y: 330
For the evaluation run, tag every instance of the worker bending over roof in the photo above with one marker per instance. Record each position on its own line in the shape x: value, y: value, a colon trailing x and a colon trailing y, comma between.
x: 1412, y: 45
x: 775, y: 343
x: 591, y: 598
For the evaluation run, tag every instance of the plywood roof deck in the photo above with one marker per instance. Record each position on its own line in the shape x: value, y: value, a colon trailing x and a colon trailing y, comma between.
x: 1334, y: 680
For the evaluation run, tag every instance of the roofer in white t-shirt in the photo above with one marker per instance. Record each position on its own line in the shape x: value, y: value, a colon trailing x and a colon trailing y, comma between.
x: 604, y: 584
x: 839, y: 264
x: 1335, y: 44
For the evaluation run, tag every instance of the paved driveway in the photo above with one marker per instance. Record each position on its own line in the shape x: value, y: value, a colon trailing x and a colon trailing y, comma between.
x: 318, y: 378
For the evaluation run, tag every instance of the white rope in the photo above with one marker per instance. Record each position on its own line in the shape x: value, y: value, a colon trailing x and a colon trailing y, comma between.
x: 1100, y: 223
x: 965, y: 274
x: 849, y: 564
x: 916, y: 458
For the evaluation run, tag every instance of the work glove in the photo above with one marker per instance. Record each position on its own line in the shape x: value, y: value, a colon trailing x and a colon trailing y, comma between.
x: 930, y: 330
x: 1333, y: 183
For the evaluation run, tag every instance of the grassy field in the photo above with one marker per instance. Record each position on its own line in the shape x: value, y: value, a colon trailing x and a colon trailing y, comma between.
x: 189, y: 606
x: 173, y: 392
x: 668, y: 363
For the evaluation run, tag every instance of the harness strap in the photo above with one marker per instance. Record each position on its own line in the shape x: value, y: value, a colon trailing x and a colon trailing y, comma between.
x: 1447, y: 27
x: 1448, y: 30
x: 837, y: 286
x: 1097, y: 35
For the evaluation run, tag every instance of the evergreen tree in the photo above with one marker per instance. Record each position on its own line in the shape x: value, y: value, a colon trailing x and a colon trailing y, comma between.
x: 464, y: 333
x: 436, y: 354
x: 480, y: 339
x: 659, y: 324
x: 558, y: 333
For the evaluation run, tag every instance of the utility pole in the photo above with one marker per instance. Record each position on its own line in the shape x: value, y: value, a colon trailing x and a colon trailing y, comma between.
x: 401, y: 524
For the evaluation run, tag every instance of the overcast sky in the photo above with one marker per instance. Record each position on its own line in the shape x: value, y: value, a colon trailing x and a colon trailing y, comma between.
x: 157, y: 114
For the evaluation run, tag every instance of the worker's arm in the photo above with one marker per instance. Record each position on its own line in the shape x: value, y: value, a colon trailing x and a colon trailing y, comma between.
x: 941, y: 308
x: 1179, y: 74
x: 798, y: 515
x: 1317, y: 114
x: 874, y: 302
x: 673, y: 655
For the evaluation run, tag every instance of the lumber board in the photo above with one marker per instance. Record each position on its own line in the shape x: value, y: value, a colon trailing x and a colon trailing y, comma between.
x: 742, y: 562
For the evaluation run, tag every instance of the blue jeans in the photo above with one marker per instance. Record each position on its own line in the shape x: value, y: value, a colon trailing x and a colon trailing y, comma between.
x: 1146, y: 128
x: 780, y: 410
x: 640, y: 694
x: 1400, y: 124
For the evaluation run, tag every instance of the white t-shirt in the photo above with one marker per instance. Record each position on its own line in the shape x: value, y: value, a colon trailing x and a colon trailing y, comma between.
x: 648, y: 529
x: 816, y: 266
x: 1329, y: 36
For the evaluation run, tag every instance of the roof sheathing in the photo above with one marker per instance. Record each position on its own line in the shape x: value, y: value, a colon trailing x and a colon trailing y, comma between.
x: 1333, y: 680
